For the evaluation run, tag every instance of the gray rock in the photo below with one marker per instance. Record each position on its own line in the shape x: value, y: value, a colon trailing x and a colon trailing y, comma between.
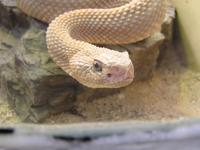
x: 35, y: 87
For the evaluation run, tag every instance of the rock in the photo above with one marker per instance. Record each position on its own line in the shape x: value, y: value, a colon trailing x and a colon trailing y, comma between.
x: 35, y: 87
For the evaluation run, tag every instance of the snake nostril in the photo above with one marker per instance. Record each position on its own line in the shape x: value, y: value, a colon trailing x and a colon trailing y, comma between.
x: 109, y: 75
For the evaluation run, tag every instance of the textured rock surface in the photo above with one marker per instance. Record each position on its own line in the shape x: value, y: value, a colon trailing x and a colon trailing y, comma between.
x: 35, y: 86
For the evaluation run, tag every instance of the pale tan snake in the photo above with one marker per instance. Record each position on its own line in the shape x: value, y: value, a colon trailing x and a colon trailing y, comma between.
x: 97, y: 22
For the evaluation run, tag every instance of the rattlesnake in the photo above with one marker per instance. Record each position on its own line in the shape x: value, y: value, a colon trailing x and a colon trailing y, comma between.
x: 99, y: 22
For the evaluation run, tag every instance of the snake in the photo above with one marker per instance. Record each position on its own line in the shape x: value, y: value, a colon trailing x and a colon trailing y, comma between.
x: 76, y: 27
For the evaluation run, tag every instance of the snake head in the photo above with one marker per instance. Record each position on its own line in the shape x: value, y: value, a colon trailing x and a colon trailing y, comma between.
x: 103, y: 69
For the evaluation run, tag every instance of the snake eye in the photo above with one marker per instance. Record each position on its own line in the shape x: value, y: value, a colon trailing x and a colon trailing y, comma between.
x: 97, y: 65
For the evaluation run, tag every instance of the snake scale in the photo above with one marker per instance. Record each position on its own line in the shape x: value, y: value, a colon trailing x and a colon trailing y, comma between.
x: 75, y: 24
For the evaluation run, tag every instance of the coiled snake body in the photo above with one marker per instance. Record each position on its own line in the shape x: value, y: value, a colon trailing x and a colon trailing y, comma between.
x: 99, y: 22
